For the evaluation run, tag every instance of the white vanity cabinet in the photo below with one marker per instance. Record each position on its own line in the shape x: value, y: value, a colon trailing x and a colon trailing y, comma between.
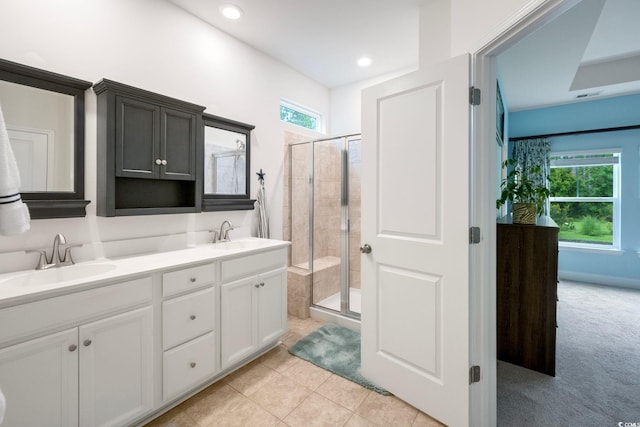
x: 253, y: 306
x: 122, y: 348
x: 39, y: 379
x: 96, y: 372
x: 189, y: 340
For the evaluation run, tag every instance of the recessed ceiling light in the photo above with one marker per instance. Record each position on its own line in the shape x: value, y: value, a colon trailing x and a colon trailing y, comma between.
x: 231, y: 11
x: 364, y: 61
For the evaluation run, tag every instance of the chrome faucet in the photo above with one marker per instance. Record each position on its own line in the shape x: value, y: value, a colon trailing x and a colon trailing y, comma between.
x: 55, y: 253
x: 223, y: 234
x: 55, y: 260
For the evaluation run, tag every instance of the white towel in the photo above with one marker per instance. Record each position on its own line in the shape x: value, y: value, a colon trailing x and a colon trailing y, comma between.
x: 14, y: 215
x: 3, y: 405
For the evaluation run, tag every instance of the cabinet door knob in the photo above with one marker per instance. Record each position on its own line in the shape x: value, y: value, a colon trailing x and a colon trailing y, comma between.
x: 192, y: 364
x: 73, y: 348
x: 192, y: 317
x: 262, y: 284
x: 257, y: 285
x: 87, y: 343
x: 164, y: 162
x: 158, y: 162
x: 192, y: 279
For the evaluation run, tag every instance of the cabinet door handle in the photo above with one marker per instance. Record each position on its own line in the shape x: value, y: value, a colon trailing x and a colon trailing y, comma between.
x: 192, y: 364
x: 158, y: 162
x: 164, y: 163
x: 262, y: 284
x: 192, y: 279
x: 87, y: 343
x: 257, y: 285
x: 73, y: 348
x: 192, y: 317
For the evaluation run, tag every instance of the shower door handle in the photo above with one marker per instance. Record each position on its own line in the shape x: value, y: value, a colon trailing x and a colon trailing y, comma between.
x: 365, y: 249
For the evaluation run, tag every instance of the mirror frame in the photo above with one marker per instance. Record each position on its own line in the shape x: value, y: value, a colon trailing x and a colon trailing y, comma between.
x: 55, y: 204
x: 228, y: 202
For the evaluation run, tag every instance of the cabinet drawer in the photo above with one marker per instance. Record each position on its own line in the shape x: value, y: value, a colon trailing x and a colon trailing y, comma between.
x: 187, y: 365
x: 181, y: 280
x: 32, y: 318
x: 253, y: 264
x: 187, y: 317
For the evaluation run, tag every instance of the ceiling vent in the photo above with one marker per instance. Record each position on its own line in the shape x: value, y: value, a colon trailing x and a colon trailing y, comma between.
x: 588, y: 95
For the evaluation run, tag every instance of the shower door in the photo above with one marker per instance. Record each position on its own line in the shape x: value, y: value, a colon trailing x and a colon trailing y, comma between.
x: 335, y: 219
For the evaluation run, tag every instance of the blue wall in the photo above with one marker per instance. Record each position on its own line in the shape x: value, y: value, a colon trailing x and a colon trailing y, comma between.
x: 621, y: 269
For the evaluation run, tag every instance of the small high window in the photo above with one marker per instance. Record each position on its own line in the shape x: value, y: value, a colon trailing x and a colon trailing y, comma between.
x: 298, y: 115
x: 586, y: 198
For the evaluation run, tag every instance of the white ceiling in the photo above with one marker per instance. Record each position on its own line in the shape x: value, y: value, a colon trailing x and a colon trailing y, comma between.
x: 592, y: 49
x: 323, y: 39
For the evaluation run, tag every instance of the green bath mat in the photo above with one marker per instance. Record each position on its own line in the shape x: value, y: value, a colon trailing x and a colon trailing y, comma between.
x: 336, y: 349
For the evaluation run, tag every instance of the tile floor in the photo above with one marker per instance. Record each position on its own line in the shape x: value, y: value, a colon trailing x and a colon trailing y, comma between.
x: 279, y: 389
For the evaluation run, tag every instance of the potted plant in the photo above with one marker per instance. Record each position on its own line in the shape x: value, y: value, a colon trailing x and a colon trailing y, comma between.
x: 528, y: 199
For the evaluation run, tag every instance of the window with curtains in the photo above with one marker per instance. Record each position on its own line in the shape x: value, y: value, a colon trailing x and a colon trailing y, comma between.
x: 586, y: 198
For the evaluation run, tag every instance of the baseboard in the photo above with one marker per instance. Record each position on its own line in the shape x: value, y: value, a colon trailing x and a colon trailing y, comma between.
x: 326, y: 316
x: 599, y: 279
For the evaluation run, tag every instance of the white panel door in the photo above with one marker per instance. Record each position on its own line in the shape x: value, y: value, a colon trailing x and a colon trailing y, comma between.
x: 415, y: 217
x: 33, y: 151
x: 116, y: 369
x: 39, y: 379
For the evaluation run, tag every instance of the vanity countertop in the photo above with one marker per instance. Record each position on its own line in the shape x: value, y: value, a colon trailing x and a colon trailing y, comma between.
x: 30, y: 285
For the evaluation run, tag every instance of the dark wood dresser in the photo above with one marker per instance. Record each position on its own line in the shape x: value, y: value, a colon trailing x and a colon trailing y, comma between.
x: 527, y: 279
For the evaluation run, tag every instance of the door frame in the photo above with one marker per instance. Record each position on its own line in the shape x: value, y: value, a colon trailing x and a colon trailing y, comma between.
x: 482, y: 169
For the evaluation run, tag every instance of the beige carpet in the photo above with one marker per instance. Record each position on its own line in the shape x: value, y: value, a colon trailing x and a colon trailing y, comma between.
x: 597, y: 379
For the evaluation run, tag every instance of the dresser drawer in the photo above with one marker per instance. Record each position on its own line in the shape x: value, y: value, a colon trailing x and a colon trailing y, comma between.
x: 253, y: 264
x: 68, y: 310
x: 187, y: 317
x: 187, y: 365
x: 189, y: 278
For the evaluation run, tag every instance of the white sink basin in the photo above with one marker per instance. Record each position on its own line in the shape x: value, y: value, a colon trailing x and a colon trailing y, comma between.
x: 59, y: 274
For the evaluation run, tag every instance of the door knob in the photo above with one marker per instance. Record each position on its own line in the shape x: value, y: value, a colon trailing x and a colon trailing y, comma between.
x: 158, y: 162
x: 365, y: 249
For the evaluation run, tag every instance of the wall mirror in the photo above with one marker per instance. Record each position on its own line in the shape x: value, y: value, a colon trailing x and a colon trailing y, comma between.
x: 226, y: 164
x: 44, y: 114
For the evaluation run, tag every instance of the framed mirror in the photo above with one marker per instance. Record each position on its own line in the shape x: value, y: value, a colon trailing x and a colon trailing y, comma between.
x: 226, y: 164
x: 44, y: 114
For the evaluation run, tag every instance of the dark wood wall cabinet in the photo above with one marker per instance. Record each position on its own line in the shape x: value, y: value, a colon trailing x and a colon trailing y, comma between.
x: 527, y: 277
x: 149, y: 152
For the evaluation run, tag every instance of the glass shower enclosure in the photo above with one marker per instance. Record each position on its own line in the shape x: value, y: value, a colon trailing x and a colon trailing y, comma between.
x: 325, y: 220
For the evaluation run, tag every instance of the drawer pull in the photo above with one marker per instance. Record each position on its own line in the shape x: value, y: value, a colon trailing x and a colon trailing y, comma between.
x: 192, y: 279
x: 87, y: 343
x: 73, y: 348
x: 192, y: 364
x: 192, y: 317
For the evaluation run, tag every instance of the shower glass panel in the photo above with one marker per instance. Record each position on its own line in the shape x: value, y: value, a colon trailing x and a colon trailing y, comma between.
x: 327, y: 223
x: 324, y: 222
x: 353, y: 222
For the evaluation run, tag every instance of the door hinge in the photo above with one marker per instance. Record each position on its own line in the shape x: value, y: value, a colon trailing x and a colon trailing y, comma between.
x: 474, y: 374
x: 474, y: 235
x: 474, y: 96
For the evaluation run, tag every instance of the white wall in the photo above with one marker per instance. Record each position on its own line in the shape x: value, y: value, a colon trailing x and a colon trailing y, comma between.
x: 345, y: 103
x: 154, y: 45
